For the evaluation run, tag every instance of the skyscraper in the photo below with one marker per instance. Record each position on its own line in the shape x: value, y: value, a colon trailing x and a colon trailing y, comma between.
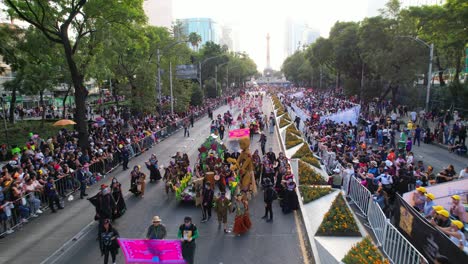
x: 298, y: 33
x: 226, y: 37
x: 159, y: 12
x: 207, y: 28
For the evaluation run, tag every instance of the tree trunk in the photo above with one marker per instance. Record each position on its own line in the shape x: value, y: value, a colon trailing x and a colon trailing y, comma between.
x: 80, y: 94
x: 64, y: 103
x: 12, y: 105
x: 41, y: 103
x: 441, y: 72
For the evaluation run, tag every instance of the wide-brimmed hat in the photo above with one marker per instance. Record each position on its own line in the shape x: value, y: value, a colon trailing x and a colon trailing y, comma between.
x: 156, y: 219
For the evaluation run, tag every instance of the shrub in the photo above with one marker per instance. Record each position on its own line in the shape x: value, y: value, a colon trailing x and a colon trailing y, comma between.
x: 284, y: 122
x: 311, y: 193
x: 292, y: 140
x: 338, y: 221
x: 308, y: 176
x: 293, y: 130
x: 287, y: 118
x: 305, y: 154
x: 364, y: 252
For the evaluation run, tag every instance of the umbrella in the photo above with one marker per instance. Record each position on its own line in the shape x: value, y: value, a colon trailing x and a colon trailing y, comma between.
x: 64, y: 122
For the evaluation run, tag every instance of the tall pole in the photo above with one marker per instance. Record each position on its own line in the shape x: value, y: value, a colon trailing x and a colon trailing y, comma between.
x: 4, y: 120
x: 216, y: 79
x: 429, y: 76
x: 199, y: 69
x: 227, y: 78
x: 320, y: 76
x: 170, y: 84
x: 159, y: 97
x: 362, y: 82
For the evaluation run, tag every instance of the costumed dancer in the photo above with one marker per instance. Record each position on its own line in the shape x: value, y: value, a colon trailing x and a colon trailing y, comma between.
x: 290, y: 202
x: 242, y: 221
x: 116, y: 191
x: 153, y: 167
x: 222, y: 206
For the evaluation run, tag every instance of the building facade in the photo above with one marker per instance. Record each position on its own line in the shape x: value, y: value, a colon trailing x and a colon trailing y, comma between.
x: 297, y: 34
x: 207, y: 28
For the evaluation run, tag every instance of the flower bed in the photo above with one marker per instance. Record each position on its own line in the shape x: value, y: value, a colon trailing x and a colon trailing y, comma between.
x: 365, y: 252
x: 308, y: 176
x: 277, y: 103
x: 338, y: 221
x: 311, y: 193
x: 293, y: 130
x: 292, y: 140
x: 284, y: 122
x: 306, y: 155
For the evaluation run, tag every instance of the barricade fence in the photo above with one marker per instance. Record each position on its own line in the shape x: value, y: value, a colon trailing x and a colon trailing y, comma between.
x: 397, y: 248
x: 14, y: 214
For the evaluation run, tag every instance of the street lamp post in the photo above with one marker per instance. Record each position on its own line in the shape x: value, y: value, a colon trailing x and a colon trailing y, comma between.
x: 216, y: 76
x: 429, y: 71
x: 200, y: 64
x: 158, y: 55
x: 4, y: 119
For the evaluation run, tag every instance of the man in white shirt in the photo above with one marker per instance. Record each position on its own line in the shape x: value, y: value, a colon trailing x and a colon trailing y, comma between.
x: 463, y: 173
x: 413, y: 115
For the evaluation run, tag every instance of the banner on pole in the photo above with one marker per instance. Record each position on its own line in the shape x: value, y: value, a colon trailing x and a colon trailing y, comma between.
x: 187, y: 71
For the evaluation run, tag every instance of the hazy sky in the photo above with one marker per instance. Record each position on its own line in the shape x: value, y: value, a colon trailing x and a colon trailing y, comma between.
x: 255, y: 18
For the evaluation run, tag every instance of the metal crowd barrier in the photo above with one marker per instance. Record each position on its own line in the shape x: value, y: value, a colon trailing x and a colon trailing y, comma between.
x: 398, y: 249
x: 377, y: 220
x: 360, y: 195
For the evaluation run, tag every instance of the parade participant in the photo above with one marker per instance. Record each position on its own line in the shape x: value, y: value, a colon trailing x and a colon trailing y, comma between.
x: 268, y: 197
x: 263, y: 140
x: 222, y: 206
x: 207, y: 202
x: 271, y: 156
x: 272, y: 123
x: 135, y: 180
x: 116, y: 191
x: 187, y: 128
x: 242, y: 221
x: 52, y: 195
x: 153, y: 167
x: 290, y: 202
x: 245, y: 164
x: 188, y: 232
x: 257, y: 165
x: 221, y: 130
x: 156, y: 230
x: 108, y: 242
x: 170, y: 179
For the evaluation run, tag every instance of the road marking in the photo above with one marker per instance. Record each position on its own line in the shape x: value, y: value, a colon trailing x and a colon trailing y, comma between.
x: 68, y: 245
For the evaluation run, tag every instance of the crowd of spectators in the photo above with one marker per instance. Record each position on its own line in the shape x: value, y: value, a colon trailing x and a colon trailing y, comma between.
x: 378, y: 152
x: 44, y: 169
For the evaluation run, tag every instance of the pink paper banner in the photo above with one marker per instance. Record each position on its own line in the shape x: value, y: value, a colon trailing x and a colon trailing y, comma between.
x: 139, y: 251
x: 239, y: 133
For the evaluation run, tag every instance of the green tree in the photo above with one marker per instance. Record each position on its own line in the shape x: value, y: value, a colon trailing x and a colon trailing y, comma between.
x: 196, y: 97
x: 73, y: 25
x: 194, y: 40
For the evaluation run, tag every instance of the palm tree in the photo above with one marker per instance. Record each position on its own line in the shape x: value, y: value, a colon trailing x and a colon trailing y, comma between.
x: 194, y: 39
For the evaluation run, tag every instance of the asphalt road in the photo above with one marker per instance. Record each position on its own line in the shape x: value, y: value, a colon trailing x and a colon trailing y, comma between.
x: 70, y: 235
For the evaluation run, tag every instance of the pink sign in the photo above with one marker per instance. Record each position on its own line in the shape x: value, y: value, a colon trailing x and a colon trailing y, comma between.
x: 139, y: 251
x: 239, y: 133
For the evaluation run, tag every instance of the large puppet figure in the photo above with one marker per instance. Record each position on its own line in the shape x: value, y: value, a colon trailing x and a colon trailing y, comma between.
x: 246, y: 166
